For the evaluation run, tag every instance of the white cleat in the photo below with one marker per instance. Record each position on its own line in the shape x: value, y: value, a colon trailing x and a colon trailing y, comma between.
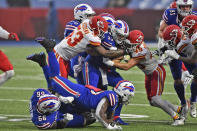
x: 184, y: 111
x: 178, y: 122
x: 193, y: 109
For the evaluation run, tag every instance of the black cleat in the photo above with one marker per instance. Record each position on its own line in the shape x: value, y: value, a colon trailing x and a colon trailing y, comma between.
x: 48, y: 44
x: 38, y: 58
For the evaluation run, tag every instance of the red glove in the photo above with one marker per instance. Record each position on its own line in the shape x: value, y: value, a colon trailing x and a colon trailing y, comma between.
x: 13, y: 36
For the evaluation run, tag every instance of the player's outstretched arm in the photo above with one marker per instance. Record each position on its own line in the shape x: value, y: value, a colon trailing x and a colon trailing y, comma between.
x: 109, y: 53
x: 103, y: 116
x: 6, y: 35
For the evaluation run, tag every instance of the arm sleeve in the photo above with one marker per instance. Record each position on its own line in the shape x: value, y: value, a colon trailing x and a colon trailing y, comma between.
x: 3, y: 33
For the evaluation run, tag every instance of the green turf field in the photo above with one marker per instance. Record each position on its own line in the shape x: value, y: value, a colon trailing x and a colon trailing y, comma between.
x: 15, y: 95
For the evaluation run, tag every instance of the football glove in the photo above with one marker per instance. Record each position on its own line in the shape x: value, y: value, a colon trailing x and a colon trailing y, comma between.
x: 113, y: 126
x: 186, y: 78
x: 68, y: 116
x: 172, y: 53
x: 108, y: 62
x: 66, y: 100
x: 13, y: 36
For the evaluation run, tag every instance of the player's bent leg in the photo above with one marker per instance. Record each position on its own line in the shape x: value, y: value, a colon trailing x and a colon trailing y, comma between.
x: 158, y: 102
x: 78, y: 121
x: 6, y: 76
x: 88, y: 118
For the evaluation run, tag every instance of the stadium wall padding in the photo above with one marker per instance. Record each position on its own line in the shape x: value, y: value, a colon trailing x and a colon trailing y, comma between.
x: 30, y: 23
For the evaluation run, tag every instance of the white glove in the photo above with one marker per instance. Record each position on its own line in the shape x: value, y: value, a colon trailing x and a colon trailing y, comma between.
x: 114, y: 127
x: 172, y: 53
x: 186, y: 78
x: 66, y: 100
x: 68, y: 116
x: 77, y: 69
x: 160, y: 43
x: 108, y: 62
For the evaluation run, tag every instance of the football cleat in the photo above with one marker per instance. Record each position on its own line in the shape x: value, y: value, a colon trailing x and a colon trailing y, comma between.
x: 38, y: 58
x: 120, y: 121
x: 178, y: 122
x: 193, y: 109
x: 184, y: 111
x: 48, y: 44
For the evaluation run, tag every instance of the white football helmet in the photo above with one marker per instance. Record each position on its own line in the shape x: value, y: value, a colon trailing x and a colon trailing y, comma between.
x: 110, y: 19
x: 182, y: 3
x: 120, y: 31
x: 83, y: 11
x: 48, y: 104
x: 126, y: 90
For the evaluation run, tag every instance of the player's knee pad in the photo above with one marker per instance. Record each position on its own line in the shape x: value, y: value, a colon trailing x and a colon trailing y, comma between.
x: 178, y: 82
x: 10, y: 73
x: 155, y: 101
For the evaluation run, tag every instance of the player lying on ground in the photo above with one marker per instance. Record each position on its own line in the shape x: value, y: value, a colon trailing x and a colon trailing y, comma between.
x: 88, y: 97
x: 154, y: 74
x: 51, y: 112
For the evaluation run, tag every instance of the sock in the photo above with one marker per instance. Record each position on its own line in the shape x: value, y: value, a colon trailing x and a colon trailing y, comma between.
x: 158, y: 102
x: 173, y: 107
x: 118, y: 110
x: 180, y: 90
x: 193, y: 92
x: 53, y: 64
x: 6, y: 76
x: 46, y: 71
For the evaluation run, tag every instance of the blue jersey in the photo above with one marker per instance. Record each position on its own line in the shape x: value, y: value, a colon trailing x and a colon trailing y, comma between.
x: 86, y: 97
x: 42, y: 121
x: 107, y: 43
x: 91, y: 69
x: 70, y: 27
x: 170, y: 16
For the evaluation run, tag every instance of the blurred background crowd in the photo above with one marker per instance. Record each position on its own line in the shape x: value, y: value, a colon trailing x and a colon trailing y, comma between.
x: 32, y: 18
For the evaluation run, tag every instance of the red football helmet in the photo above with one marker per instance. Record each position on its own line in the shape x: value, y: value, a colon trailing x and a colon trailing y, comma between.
x: 189, y: 25
x: 99, y: 25
x: 172, y: 35
x: 173, y: 5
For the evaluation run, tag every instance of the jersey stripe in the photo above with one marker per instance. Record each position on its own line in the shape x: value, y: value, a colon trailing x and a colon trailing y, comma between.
x: 62, y: 84
x: 94, y: 43
x: 181, y: 48
x: 194, y: 42
x: 44, y: 126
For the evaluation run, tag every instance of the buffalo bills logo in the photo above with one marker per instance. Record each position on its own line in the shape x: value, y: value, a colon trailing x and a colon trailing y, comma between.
x: 50, y: 105
x: 118, y: 25
x: 81, y: 8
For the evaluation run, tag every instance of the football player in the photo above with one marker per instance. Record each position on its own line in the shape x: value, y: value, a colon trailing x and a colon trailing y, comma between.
x: 88, y: 97
x: 154, y: 74
x: 5, y: 65
x: 51, y: 112
x: 81, y: 12
x: 175, y: 16
x: 87, y: 37
x: 187, y: 50
x: 67, y: 116
x: 95, y: 72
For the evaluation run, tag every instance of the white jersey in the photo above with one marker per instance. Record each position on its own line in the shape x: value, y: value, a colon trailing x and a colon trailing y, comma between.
x: 3, y: 33
x: 185, y: 47
x: 77, y: 41
x: 149, y: 63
